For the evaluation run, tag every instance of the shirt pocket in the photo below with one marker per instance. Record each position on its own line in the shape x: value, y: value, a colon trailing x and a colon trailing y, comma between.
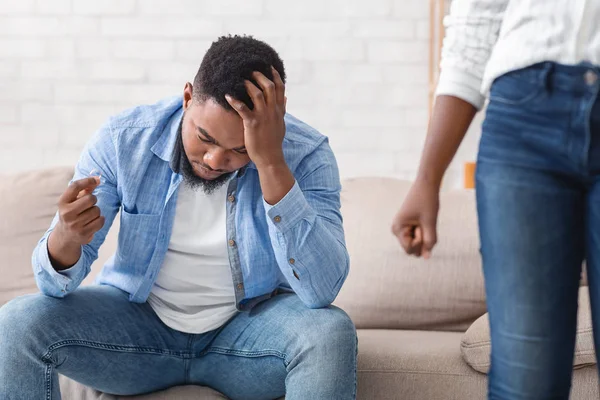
x: 137, y: 240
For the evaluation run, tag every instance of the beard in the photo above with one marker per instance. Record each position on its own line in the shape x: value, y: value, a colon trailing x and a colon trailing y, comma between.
x: 186, y: 169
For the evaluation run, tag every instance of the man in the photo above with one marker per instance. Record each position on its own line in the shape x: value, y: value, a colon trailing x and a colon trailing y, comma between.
x: 538, y: 177
x: 231, y: 250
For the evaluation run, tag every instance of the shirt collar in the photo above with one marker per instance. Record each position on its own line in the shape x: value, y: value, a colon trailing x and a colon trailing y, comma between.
x: 165, y: 145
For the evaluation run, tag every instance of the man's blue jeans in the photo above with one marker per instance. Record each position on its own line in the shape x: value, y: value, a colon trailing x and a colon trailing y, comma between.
x: 97, y: 337
x: 538, y: 194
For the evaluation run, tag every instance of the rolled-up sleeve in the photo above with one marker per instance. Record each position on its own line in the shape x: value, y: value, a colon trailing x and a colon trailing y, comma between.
x: 307, y: 233
x: 99, y: 155
x: 47, y: 277
x: 472, y: 30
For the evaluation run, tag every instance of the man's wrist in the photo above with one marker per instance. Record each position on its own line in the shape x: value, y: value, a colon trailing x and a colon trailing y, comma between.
x: 276, y: 181
x: 61, y: 238
x: 272, y: 161
x: 63, y: 253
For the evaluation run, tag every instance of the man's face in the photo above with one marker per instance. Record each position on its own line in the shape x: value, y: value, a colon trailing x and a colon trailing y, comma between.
x: 212, y: 137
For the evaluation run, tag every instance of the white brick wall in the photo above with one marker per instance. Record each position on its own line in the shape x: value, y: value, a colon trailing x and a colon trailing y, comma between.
x: 357, y: 71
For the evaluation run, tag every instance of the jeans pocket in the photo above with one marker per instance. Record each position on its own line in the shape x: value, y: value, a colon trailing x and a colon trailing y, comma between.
x: 517, y: 88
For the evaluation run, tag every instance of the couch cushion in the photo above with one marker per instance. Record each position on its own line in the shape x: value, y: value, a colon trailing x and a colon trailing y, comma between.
x: 416, y: 365
x: 28, y: 202
x: 394, y: 364
x: 476, y: 345
x: 388, y: 289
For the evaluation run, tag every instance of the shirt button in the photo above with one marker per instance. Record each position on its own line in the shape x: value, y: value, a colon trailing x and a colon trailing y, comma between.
x: 240, y: 286
x: 292, y: 261
x: 231, y: 198
x: 231, y: 242
x: 277, y: 219
x: 591, y: 78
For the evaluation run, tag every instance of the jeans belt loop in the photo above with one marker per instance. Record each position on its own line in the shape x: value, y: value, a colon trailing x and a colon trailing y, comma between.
x: 547, y: 75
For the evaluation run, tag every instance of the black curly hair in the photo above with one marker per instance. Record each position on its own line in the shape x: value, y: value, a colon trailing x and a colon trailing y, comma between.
x: 228, y: 62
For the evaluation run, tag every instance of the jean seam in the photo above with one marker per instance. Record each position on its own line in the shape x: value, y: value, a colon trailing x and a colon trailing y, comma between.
x: 588, y: 127
x: 104, y: 346
x: 187, y: 363
x: 48, y: 381
x: 46, y: 358
x: 521, y: 102
x: 250, y: 354
x: 356, y: 368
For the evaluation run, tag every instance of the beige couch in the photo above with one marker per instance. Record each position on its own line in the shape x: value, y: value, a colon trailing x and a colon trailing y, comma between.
x: 412, y: 315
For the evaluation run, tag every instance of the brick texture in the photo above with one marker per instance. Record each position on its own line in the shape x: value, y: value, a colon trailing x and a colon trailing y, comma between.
x: 357, y: 71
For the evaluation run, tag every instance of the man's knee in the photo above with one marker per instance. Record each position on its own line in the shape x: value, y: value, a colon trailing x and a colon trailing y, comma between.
x: 339, y: 323
x: 330, y: 329
x: 328, y: 347
x: 26, y: 318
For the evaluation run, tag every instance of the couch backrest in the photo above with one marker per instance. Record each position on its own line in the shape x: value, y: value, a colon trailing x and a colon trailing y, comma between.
x: 388, y: 289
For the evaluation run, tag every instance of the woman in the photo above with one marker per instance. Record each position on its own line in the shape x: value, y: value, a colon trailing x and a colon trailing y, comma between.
x: 538, y: 176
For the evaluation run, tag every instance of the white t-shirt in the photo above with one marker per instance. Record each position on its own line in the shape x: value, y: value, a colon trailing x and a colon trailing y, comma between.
x: 194, y: 291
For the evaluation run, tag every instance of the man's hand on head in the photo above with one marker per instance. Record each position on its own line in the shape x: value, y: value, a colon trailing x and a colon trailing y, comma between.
x: 264, y: 126
x: 264, y: 130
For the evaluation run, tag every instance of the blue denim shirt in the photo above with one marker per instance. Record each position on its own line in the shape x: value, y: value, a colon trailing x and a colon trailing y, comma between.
x: 298, y: 244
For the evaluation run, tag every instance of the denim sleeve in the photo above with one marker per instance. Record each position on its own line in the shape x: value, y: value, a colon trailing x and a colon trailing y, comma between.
x: 472, y: 30
x: 306, y: 231
x: 99, y: 154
